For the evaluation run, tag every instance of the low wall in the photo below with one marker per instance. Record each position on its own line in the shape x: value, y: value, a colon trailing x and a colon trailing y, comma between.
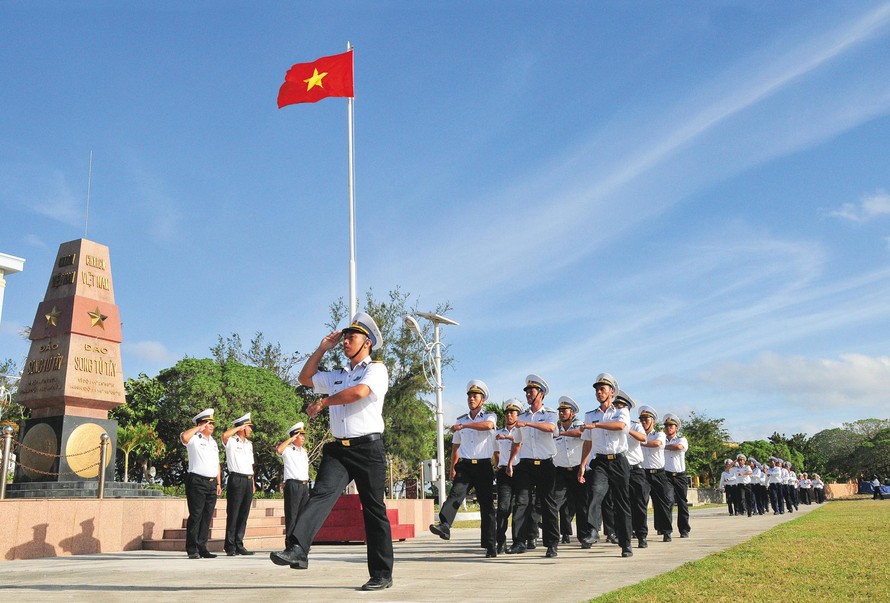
x: 33, y: 528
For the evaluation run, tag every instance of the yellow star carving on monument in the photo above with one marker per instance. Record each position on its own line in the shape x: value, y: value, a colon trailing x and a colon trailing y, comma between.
x: 52, y: 319
x: 97, y: 318
x: 315, y: 80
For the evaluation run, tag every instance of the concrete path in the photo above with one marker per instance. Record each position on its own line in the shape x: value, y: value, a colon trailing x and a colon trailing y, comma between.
x: 427, y: 569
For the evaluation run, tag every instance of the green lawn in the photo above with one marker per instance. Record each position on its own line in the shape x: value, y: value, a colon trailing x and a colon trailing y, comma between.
x: 837, y: 553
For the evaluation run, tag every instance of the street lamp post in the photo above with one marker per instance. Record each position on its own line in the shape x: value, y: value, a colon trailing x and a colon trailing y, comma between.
x: 434, y: 348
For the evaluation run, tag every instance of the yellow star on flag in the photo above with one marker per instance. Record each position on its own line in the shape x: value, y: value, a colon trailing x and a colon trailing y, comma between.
x: 97, y: 318
x: 315, y: 80
x: 52, y: 319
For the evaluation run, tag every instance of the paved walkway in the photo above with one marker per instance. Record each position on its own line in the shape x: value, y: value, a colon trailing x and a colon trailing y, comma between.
x: 427, y: 569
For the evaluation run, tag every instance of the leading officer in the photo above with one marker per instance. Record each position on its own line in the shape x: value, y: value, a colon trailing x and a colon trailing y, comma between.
x: 203, y: 484
x: 355, y: 398
x: 240, y: 485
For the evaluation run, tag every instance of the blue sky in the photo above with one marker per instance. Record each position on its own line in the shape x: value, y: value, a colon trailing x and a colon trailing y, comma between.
x: 691, y: 196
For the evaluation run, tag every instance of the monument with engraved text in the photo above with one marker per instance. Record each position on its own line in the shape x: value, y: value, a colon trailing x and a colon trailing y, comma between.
x: 73, y: 375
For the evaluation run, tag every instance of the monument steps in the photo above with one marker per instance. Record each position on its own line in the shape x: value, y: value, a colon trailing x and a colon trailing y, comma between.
x: 265, y: 527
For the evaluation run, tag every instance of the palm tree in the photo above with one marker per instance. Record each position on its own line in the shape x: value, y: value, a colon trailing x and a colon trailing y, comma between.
x: 138, y: 438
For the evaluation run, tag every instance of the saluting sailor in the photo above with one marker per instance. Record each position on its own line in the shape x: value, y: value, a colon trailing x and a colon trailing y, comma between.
x: 570, y: 495
x: 608, y: 472
x: 203, y: 483
x: 355, y: 398
x: 296, y: 479
x: 472, y: 447
x: 653, y: 467
x: 240, y: 484
x: 675, y: 468
x: 533, y: 446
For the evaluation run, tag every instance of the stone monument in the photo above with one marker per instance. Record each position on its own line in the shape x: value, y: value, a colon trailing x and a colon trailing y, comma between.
x: 73, y: 374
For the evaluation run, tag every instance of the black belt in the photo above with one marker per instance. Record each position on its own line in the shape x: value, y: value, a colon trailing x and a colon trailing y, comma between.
x: 637, y: 466
x: 305, y: 482
x: 609, y: 457
x: 572, y: 469
x: 209, y: 479
x: 474, y: 461
x: 536, y: 461
x: 676, y: 473
x: 654, y: 470
x: 248, y: 476
x: 371, y: 437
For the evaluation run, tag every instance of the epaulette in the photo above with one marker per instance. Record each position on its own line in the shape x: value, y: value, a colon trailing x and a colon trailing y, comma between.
x: 466, y: 416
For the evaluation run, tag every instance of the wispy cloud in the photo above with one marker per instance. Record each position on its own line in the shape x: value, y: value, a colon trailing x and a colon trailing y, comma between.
x: 149, y: 352
x: 42, y: 190
x: 869, y: 207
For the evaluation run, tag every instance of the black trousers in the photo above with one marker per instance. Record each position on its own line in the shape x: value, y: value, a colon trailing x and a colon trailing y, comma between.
x: 366, y: 464
x: 505, y: 503
x: 738, y: 499
x: 296, y: 495
x: 788, y: 493
x: 200, y: 495
x: 749, y: 498
x: 572, y: 501
x: 805, y: 496
x: 761, y: 498
x: 478, y: 475
x: 681, y: 486
x: 776, y: 498
x: 538, y: 476
x: 239, y: 496
x: 661, y: 492
x: 730, y: 501
x: 611, y: 477
x: 639, y: 502
x: 820, y: 495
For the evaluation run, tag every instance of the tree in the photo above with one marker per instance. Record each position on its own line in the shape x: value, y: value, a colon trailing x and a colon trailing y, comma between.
x: 760, y: 450
x: 138, y: 437
x: 872, y: 457
x: 831, y: 454
x: 707, y: 447
x: 10, y: 412
x: 867, y: 427
x: 231, y: 388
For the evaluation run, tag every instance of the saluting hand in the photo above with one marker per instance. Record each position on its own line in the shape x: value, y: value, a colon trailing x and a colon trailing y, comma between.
x: 331, y: 340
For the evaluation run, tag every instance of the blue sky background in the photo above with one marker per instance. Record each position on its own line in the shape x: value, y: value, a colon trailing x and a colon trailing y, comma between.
x: 691, y: 196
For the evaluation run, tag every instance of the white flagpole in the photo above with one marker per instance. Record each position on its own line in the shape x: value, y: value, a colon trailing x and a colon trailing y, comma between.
x: 350, y: 126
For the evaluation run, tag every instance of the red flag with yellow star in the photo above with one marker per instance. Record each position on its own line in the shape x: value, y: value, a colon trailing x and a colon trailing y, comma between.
x: 311, y: 82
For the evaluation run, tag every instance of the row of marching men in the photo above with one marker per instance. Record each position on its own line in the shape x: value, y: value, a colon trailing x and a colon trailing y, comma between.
x: 546, y: 462
x: 751, y: 488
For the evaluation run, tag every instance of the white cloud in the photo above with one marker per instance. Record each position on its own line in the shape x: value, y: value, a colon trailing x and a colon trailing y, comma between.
x: 149, y: 351
x: 852, y: 380
x: 868, y: 208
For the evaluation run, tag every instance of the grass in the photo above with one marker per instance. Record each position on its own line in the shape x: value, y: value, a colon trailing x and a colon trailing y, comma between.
x: 837, y: 553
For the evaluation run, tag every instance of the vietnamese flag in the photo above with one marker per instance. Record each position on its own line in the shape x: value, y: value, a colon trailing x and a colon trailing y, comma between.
x: 311, y: 82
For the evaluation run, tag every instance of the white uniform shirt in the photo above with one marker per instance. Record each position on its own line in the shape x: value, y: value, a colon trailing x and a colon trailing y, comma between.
x: 203, y: 455
x: 606, y: 441
x: 773, y: 475
x: 568, y: 448
x: 792, y: 478
x: 505, y: 445
x: 475, y: 444
x: 296, y: 463
x: 756, y: 474
x: 536, y: 444
x: 634, y: 450
x: 784, y: 476
x: 239, y: 455
x: 363, y: 416
x: 744, y: 474
x: 818, y: 484
x: 727, y: 478
x: 675, y: 460
x: 805, y: 484
x: 653, y: 458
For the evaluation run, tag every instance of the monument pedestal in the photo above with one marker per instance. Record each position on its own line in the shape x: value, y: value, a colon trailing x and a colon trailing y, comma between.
x: 64, y: 448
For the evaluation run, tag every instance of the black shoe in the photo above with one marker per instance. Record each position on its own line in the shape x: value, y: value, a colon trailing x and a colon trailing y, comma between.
x: 293, y: 556
x: 242, y: 551
x: 627, y: 552
x: 194, y: 556
x: 667, y: 538
x: 612, y: 539
x: 592, y: 539
x: 566, y: 539
x: 516, y: 549
x: 207, y: 555
x: 502, y: 548
x: 377, y: 584
x: 230, y: 553
x: 551, y: 551
x: 490, y: 553
x: 642, y: 544
x: 531, y: 544
x: 442, y: 530
x: 684, y: 534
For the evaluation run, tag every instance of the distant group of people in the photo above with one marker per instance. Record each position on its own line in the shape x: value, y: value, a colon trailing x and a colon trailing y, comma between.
x: 752, y: 488
x: 355, y: 397
x: 549, y: 466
